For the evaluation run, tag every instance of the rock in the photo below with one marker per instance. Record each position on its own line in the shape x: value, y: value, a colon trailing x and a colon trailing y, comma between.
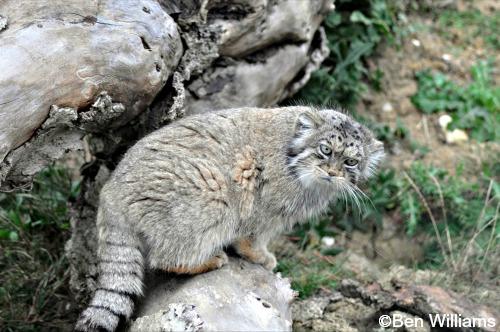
x: 444, y: 120
x: 178, y: 317
x: 363, y: 268
x: 387, y: 107
x: 456, y: 136
x: 423, y: 301
x: 446, y: 57
x: 412, y: 323
x: 416, y: 42
x: 327, y: 241
x: 238, y: 297
x: 340, y: 314
x: 358, y: 306
x: 311, y: 308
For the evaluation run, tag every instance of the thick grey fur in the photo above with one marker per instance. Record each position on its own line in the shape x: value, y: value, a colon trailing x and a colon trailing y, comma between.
x: 188, y: 190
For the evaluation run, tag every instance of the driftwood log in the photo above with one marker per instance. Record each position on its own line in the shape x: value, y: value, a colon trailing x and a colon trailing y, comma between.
x: 99, y: 74
x: 238, y: 297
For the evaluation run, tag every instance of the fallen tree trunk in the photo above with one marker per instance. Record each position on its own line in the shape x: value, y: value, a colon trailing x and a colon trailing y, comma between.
x: 101, y: 74
x: 63, y: 55
x: 238, y: 297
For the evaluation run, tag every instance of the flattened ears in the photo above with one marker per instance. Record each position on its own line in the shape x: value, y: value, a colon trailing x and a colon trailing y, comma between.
x: 308, y: 120
x: 375, y: 155
x: 376, y: 146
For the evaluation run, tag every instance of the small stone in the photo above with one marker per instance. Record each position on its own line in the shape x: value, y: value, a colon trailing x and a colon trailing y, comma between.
x: 444, y: 120
x: 387, y: 107
x: 446, y: 57
x: 308, y: 309
x: 416, y: 42
x: 327, y: 241
x: 456, y: 136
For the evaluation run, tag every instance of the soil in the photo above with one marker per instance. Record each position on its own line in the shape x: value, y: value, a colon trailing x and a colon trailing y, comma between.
x: 426, y: 48
x: 372, y: 257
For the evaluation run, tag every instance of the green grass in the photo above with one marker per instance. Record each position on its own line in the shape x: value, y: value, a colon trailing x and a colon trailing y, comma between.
x: 474, y: 107
x: 473, y: 24
x: 34, y: 227
x: 310, y: 273
x: 354, y: 30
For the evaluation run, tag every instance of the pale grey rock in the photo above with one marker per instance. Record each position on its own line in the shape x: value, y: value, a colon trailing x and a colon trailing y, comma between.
x: 238, y: 297
x: 177, y: 317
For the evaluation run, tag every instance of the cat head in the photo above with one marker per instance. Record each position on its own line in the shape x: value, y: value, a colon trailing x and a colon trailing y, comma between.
x: 329, y: 148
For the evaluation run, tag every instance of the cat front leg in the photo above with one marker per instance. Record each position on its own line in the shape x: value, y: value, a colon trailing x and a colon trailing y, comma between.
x: 255, y: 251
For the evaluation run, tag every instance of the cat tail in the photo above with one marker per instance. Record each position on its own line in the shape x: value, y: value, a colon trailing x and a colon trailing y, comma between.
x: 121, y: 271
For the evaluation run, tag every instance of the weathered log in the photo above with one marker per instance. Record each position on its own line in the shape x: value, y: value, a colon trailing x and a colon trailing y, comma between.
x: 238, y: 297
x: 65, y: 53
x: 111, y: 71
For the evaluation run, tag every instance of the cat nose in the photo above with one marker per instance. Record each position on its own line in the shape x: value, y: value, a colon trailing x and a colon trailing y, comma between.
x: 333, y: 172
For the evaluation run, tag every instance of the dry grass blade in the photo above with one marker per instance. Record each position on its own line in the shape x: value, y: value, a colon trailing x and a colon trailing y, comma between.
x: 479, y: 229
x: 445, y: 218
x: 488, y: 247
x: 433, y: 220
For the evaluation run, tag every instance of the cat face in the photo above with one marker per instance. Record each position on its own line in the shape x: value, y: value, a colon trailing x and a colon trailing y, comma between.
x: 330, y: 149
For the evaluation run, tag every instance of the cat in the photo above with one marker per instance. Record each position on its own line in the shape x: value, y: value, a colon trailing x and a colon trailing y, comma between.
x: 235, y: 177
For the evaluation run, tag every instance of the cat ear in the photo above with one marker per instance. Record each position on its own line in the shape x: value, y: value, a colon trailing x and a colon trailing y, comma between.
x: 376, y: 146
x: 375, y: 155
x: 308, y: 120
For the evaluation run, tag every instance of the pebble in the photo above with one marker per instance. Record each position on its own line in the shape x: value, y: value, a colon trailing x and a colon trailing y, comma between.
x: 453, y: 136
x: 444, y: 120
x: 387, y: 107
x: 456, y: 136
x: 446, y: 57
x: 327, y: 241
x: 416, y: 42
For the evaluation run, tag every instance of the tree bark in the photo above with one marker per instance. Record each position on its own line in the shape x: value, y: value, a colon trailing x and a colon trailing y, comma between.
x: 65, y: 55
x: 102, y: 74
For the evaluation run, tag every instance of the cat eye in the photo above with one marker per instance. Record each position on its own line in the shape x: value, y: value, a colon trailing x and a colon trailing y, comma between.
x: 325, y: 149
x: 351, y: 162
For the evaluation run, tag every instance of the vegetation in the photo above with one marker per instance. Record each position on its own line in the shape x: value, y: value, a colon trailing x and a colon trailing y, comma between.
x: 455, y: 214
x: 353, y: 30
x: 472, y: 23
x: 475, y: 107
x: 34, y: 225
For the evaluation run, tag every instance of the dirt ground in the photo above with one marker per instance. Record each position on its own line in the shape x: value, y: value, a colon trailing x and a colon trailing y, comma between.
x: 428, y: 48
x: 452, y: 53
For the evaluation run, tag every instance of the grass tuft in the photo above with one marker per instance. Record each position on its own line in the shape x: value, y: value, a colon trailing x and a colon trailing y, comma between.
x: 475, y: 107
x: 34, y: 227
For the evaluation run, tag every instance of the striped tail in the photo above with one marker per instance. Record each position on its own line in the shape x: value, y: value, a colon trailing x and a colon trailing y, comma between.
x: 121, y: 272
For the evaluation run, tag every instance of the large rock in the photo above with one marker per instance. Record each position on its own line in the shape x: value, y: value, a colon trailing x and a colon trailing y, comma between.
x: 238, y: 297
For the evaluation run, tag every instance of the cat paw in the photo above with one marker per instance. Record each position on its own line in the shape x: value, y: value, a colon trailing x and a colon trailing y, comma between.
x: 221, y: 259
x: 269, y: 262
